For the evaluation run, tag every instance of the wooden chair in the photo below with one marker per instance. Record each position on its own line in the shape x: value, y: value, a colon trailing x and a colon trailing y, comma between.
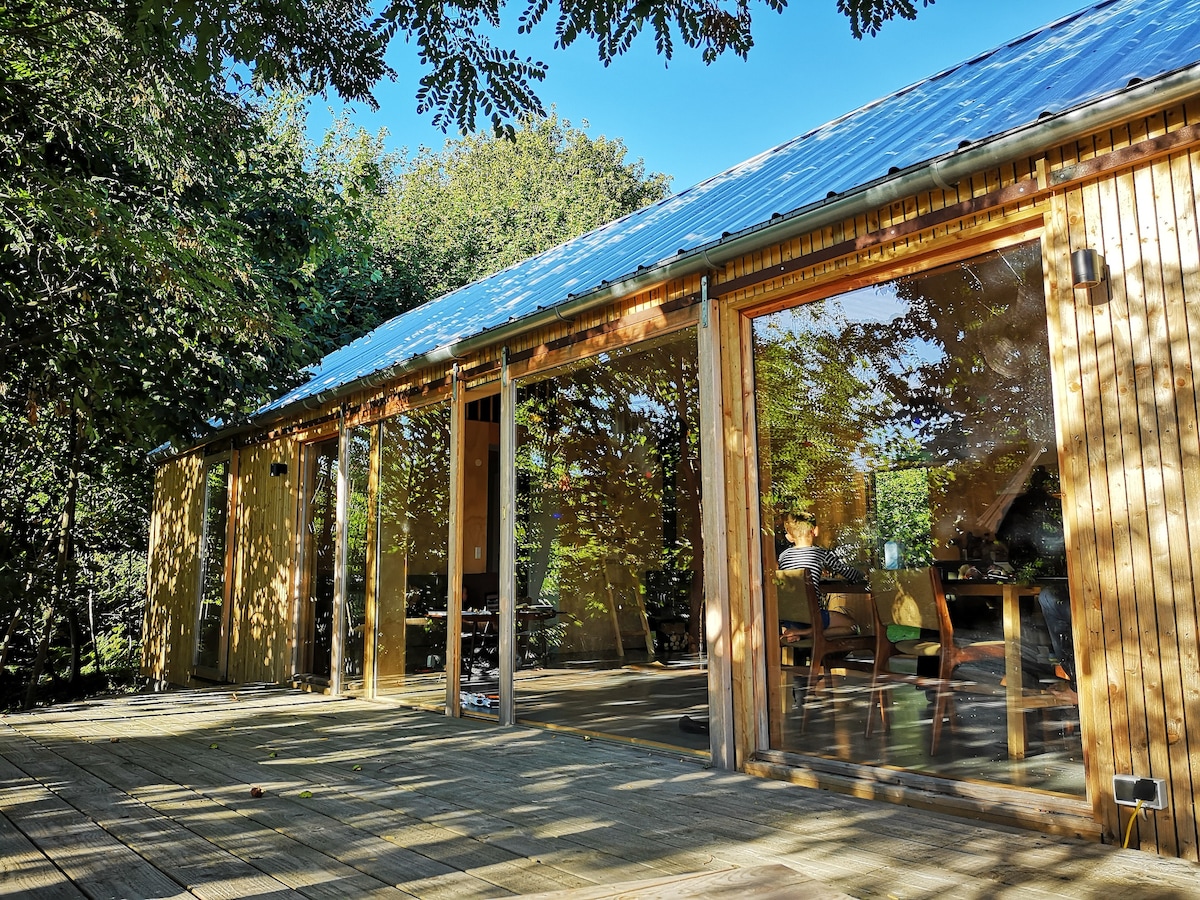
x: 914, y: 598
x: 797, y: 602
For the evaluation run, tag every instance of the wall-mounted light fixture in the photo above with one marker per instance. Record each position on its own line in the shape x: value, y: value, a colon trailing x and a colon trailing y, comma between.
x: 1087, y: 268
x: 278, y: 469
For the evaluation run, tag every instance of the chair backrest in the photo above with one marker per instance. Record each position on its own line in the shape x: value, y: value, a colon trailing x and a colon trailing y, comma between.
x: 792, y: 587
x: 905, y: 597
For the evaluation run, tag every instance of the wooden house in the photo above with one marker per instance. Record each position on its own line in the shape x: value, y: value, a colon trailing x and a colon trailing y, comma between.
x: 956, y: 329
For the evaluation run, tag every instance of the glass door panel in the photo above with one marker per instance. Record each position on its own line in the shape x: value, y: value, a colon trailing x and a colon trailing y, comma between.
x: 320, y: 551
x: 413, y: 526
x: 908, y: 427
x: 358, y: 535
x: 211, y: 617
x: 609, y: 627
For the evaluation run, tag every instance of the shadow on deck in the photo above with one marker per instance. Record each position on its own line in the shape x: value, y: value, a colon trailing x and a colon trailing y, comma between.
x: 151, y: 796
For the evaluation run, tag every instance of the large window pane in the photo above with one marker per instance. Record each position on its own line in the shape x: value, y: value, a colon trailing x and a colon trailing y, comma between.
x: 413, y: 525
x: 211, y: 617
x: 609, y: 547
x: 358, y: 534
x: 913, y: 423
x: 320, y: 551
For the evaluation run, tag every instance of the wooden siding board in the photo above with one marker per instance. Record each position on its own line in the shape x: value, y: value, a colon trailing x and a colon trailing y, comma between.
x: 745, y: 630
x: 1188, y: 620
x: 1073, y: 354
x: 267, y: 534
x: 717, y: 608
x: 1161, y: 466
x: 1178, y: 623
x: 173, y: 572
x: 1135, y: 457
x: 1126, y: 515
x: 1098, y: 391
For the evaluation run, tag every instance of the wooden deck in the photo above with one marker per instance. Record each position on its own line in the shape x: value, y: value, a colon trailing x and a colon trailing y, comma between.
x: 150, y: 796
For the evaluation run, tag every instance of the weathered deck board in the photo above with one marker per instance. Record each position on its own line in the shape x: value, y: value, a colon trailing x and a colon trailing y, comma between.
x: 774, y: 882
x: 446, y: 808
x: 197, y: 864
x: 27, y: 872
x: 83, y: 851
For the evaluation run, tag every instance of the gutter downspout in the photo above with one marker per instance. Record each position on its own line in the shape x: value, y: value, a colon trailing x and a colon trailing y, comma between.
x: 940, y: 173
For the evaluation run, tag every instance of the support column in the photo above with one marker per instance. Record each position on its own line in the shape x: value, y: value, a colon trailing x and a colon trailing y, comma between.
x: 716, y: 539
x: 454, y: 548
x: 508, y: 555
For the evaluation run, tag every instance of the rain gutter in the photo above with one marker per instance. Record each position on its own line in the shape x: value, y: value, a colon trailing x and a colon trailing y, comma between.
x: 939, y: 174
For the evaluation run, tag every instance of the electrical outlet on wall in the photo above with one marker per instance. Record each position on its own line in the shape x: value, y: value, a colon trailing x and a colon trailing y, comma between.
x: 1128, y: 790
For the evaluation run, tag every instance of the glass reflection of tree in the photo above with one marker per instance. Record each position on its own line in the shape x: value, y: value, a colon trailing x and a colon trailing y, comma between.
x: 358, y: 467
x: 413, y: 527
x: 981, y: 389
x: 212, y: 595
x: 415, y: 494
x: 943, y: 375
x: 321, y: 549
x: 608, y: 468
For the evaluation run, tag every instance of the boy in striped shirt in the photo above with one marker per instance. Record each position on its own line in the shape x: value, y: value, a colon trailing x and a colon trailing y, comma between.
x: 801, y: 530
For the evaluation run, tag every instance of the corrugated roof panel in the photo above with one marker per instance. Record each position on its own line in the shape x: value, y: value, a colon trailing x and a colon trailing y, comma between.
x: 1074, y: 61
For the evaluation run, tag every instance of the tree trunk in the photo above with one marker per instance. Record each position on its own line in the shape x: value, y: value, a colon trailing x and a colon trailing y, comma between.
x: 76, y: 645
x: 8, y: 636
x: 62, y: 563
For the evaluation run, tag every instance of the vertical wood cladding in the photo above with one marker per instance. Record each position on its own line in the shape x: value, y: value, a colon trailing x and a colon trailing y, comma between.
x: 173, y: 570
x: 1128, y: 407
x: 261, y: 612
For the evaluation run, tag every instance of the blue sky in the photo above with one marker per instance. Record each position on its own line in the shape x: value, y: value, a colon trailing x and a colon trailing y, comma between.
x: 691, y: 121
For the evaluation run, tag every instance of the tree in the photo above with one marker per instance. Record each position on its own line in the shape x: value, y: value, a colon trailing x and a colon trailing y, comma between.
x: 317, y: 45
x: 155, y: 250
x: 170, y: 254
x: 413, y: 229
x: 483, y: 203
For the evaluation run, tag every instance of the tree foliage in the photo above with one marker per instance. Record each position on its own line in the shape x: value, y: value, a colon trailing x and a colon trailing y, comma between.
x: 411, y: 229
x: 155, y: 247
x: 483, y: 203
x: 340, y: 45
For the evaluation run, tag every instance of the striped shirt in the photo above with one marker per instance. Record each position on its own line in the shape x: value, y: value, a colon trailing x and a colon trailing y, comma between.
x: 818, y: 560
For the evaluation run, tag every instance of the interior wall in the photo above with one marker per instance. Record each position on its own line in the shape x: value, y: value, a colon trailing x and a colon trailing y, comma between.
x: 1128, y: 349
x: 173, y: 570
x: 479, y: 437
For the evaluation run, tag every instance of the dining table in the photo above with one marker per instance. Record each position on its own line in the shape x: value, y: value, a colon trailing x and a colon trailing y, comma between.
x: 1017, y: 701
x: 1010, y: 594
x: 482, y: 629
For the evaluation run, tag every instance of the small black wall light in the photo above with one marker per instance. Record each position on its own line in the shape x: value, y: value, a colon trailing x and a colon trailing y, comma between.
x: 1087, y: 269
x: 278, y: 469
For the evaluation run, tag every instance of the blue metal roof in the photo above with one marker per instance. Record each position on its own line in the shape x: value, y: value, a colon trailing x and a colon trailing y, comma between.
x: 1067, y: 64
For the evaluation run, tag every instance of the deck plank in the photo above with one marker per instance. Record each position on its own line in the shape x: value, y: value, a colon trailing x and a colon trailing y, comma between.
x: 771, y: 882
x: 81, y: 849
x: 408, y: 803
x: 199, y: 865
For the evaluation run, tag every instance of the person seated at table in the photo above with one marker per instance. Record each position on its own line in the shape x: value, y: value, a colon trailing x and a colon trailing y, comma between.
x: 804, y: 553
